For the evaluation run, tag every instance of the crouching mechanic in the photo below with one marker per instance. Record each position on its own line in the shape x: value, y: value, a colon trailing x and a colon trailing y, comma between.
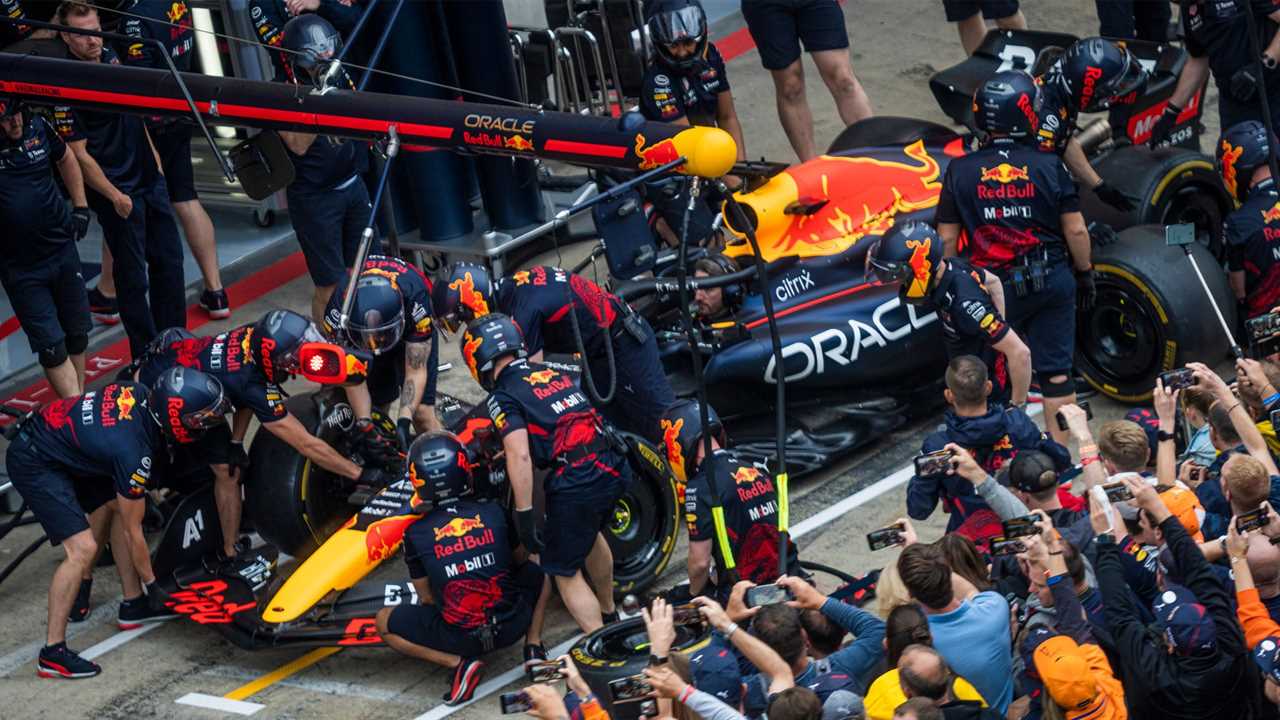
x: 391, y: 318
x: 546, y: 422
x: 742, y: 490
x: 970, y: 302
x: 249, y: 362
x: 477, y: 595
x: 81, y: 460
x: 619, y: 345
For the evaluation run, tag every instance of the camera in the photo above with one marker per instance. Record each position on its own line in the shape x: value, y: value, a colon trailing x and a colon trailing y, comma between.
x: 885, y: 537
x: 771, y: 594
x: 1177, y: 379
x: 633, y: 688
x: 933, y: 464
x: 1264, y: 335
x: 1083, y: 405
x: 1252, y: 520
x: 546, y: 671
x: 514, y: 702
x: 1117, y: 491
x: 1007, y: 546
x: 1024, y: 526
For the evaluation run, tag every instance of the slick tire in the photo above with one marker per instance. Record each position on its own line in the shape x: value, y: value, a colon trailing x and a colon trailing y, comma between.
x: 622, y: 649
x: 1151, y: 314
x: 645, y: 523
x: 887, y: 130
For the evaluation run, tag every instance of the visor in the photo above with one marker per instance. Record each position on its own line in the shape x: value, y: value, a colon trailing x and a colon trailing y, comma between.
x: 686, y: 24
x: 318, y: 48
x: 1132, y: 78
x: 291, y: 362
x: 890, y: 272
x: 377, y: 338
x: 211, y: 416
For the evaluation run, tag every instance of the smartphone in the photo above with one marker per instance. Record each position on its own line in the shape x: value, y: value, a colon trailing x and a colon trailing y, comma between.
x: 686, y: 615
x: 649, y: 708
x: 634, y: 688
x: 1184, y: 234
x: 1178, y: 379
x: 546, y: 671
x: 771, y: 594
x: 1088, y: 415
x: 933, y: 464
x: 514, y: 702
x: 1196, y: 474
x: 1274, y: 416
x: 885, y: 537
x: 1024, y: 526
x: 1117, y: 491
x: 1252, y: 520
x: 1007, y: 546
x: 1264, y: 335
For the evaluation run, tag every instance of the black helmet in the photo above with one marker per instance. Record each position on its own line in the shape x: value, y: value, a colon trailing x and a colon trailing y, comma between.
x: 9, y: 106
x: 1098, y: 73
x: 439, y: 469
x: 311, y: 41
x: 1007, y: 104
x: 908, y: 254
x: 1242, y: 149
x: 275, y: 341
x: 377, y: 314
x: 488, y: 339
x: 682, y: 431
x: 465, y: 293
x: 186, y: 402
x: 674, y: 21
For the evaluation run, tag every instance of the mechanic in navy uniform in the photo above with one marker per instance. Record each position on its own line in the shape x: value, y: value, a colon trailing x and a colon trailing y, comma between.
x: 127, y: 192
x: 79, y: 461
x: 328, y: 201
x: 547, y: 423
x: 10, y: 34
x: 391, y: 318
x: 1020, y: 213
x: 41, y: 270
x: 269, y: 18
x: 1252, y: 232
x: 746, y: 494
x: 477, y: 590
x: 539, y: 299
x: 1216, y: 36
x: 169, y: 22
x: 250, y: 362
x: 968, y: 300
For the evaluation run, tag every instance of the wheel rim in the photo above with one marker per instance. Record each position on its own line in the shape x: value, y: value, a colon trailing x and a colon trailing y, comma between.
x: 628, y: 640
x: 1121, y: 340
x: 634, y: 534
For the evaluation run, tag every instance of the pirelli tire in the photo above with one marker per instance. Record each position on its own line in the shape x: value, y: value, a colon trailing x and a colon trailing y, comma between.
x: 645, y: 522
x: 1151, y: 314
x: 620, y: 650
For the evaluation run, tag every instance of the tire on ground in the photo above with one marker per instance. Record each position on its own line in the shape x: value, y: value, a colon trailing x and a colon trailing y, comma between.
x: 622, y: 649
x: 646, y: 521
x: 887, y: 130
x: 1151, y: 314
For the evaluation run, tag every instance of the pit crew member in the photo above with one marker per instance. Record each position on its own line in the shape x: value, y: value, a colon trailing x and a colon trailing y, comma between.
x: 79, y: 461
x: 475, y: 596
x: 1252, y: 231
x: 250, y: 362
x: 546, y: 422
x: 41, y: 272
x: 269, y: 18
x: 128, y: 194
x: 1021, y: 216
x: 743, y: 489
x: 169, y: 22
x: 391, y: 318
x: 968, y: 300
x: 539, y: 300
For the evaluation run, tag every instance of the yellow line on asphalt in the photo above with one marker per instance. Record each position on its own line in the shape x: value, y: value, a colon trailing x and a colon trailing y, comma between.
x: 280, y: 673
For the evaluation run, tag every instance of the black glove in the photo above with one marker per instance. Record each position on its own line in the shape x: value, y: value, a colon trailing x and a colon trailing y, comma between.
x: 237, y: 457
x: 373, y: 445
x: 79, y: 223
x: 157, y: 597
x: 1112, y: 196
x: 527, y: 529
x: 1245, y: 84
x: 373, y: 477
x: 1086, y: 289
x: 1101, y: 234
x: 1163, y: 128
x: 404, y: 431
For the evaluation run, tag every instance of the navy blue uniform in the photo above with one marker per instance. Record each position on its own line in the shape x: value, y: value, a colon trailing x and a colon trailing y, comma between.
x: 1253, y: 238
x: 146, y: 246
x: 750, y: 505
x: 464, y: 552
x: 41, y: 271
x: 970, y: 322
x: 1217, y: 29
x: 667, y: 96
x: 1057, y: 114
x: 1009, y: 199
x: 566, y: 436
x: 386, y: 372
x: 10, y: 34
x: 76, y: 454
x: 539, y: 301
x: 1137, y: 19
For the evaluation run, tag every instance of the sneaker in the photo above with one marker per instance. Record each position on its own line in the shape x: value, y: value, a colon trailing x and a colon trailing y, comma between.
x: 215, y: 303
x: 104, y: 309
x: 610, y: 618
x: 137, y: 612
x: 80, y: 608
x: 58, y: 661
x: 465, y: 679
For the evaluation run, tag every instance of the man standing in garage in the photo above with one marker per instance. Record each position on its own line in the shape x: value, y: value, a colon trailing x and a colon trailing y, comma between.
x: 1252, y: 232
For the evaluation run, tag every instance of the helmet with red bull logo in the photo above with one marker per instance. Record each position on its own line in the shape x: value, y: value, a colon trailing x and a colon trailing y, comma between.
x: 908, y: 254
x: 487, y: 340
x: 276, y: 341
x: 185, y: 402
x: 464, y: 294
x: 1243, y: 149
x: 1097, y: 74
x: 439, y: 468
x: 681, y: 426
x: 673, y: 23
x: 1007, y: 104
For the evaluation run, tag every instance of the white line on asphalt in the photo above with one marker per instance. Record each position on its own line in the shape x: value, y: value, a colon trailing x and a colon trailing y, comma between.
x: 213, y: 702
x: 491, y: 686
x: 328, y: 687
x: 116, y: 641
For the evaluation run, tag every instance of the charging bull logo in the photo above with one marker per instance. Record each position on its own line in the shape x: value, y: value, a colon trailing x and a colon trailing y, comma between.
x: 176, y: 12
x: 1272, y: 215
x: 671, y: 440
x: 383, y: 536
x: 657, y: 154
x: 1005, y: 173
x: 458, y: 527
x: 1230, y: 155
x: 540, y: 377
x: 921, y: 266
x: 746, y: 475
x: 518, y: 143
x: 124, y: 404
x: 468, y: 296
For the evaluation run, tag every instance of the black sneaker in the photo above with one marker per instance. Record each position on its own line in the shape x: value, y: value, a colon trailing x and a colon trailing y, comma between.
x: 138, y: 612
x: 465, y: 679
x: 609, y: 618
x: 58, y: 661
x: 215, y: 303
x: 104, y: 309
x: 80, y: 608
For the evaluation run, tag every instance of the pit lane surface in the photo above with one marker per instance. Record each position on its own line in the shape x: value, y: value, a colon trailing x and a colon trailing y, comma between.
x: 145, y: 675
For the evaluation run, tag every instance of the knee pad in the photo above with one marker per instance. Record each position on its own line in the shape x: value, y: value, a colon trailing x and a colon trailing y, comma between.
x: 77, y: 344
x: 54, y: 355
x: 1051, y: 389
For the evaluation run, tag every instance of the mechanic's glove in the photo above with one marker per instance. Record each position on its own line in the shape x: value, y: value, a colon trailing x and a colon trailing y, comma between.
x: 373, y: 477
x: 1244, y: 84
x: 1086, y: 289
x: 1163, y: 129
x: 1101, y: 234
x: 237, y: 457
x: 1112, y: 196
x: 79, y: 223
x: 404, y: 431
x: 157, y: 596
x: 527, y: 529
x: 375, y: 446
